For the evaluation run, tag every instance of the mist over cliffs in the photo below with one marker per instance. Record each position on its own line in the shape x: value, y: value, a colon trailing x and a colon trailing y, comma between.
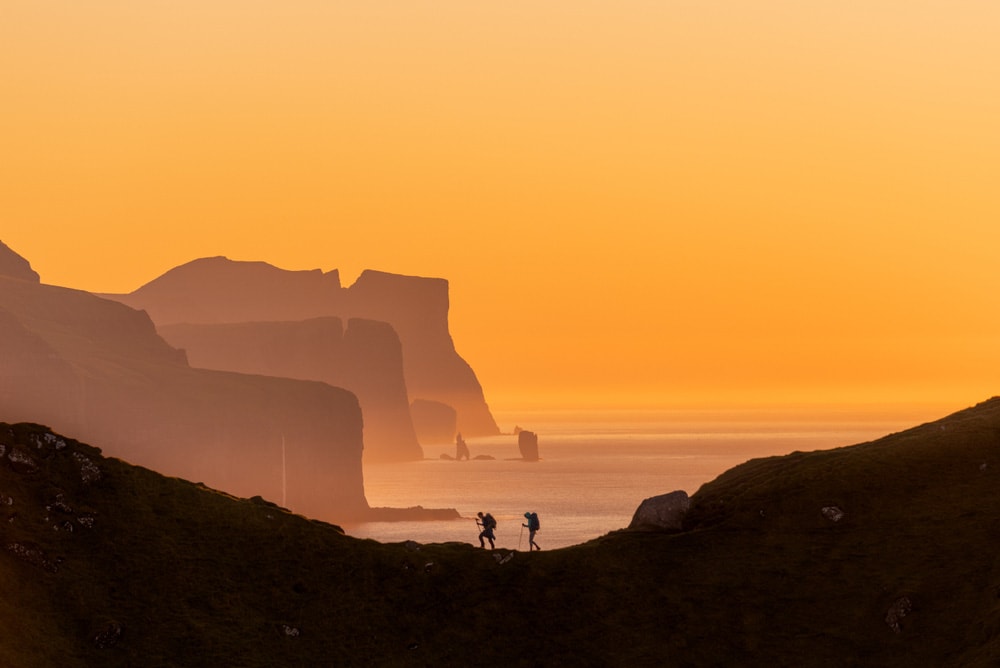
x: 365, y: 358
x: 198, y: 306
x: 97, y: 368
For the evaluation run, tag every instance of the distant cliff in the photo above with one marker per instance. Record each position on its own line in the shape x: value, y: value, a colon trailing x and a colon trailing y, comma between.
x: 96, y: 368
x: 367, y: 358
x: 221, y: 291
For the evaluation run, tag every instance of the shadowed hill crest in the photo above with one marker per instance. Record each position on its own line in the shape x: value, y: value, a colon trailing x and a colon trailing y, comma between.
x: 110, y: 564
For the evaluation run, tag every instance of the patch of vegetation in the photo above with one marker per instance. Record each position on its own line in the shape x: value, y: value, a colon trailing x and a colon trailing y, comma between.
x: 131, y: 568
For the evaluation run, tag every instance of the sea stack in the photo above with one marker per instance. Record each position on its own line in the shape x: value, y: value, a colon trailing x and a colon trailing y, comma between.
x: 527, y: 443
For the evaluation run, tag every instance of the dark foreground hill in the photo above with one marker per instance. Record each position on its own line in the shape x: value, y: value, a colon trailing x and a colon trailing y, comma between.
x: 880, y: 554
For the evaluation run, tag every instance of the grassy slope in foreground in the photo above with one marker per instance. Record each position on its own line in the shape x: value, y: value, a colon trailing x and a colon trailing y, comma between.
x: 760, y: 576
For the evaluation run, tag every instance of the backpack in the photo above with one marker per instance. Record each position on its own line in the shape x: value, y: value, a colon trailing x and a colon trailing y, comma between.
x: 489, y: 522
x: 533, y: 522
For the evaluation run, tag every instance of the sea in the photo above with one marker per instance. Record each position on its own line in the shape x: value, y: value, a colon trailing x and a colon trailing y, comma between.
x: 593, y: 473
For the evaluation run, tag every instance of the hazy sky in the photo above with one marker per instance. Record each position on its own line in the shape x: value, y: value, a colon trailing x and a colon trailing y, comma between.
x: 655, y: 202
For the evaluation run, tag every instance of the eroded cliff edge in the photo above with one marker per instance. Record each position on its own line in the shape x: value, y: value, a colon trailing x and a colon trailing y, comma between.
x: 216, y: 291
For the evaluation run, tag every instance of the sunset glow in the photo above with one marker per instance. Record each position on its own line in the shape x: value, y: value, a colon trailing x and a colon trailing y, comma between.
x: 635, y: 203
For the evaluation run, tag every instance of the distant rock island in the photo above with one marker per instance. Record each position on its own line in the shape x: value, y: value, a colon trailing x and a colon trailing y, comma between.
x: 256, y: 318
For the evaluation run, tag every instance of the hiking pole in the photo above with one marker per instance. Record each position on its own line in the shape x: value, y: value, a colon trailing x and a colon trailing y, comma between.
x: 519, y: 537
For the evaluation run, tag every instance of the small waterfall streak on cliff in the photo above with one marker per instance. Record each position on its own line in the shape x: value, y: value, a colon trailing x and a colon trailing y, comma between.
x: 284, y: 477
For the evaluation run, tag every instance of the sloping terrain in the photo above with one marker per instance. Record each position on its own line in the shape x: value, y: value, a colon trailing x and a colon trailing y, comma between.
x: 879, y: 554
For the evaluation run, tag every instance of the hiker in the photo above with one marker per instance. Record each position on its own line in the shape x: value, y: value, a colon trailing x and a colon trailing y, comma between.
x: 461, y: 449
x: 488, y: 524
x: 533, y: 526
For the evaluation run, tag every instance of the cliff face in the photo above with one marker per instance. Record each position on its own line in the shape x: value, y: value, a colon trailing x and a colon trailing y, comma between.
x: 97, y: 368
x: 221, y: 291
x: 14, y: 266
x: 366, y: 358
x: 418, y: 309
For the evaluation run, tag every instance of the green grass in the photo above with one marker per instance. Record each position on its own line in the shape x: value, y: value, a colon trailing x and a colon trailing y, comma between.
x: 759, y: 577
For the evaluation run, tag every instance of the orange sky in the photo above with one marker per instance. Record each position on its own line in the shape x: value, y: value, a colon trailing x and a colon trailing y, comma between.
x: 636, y: 202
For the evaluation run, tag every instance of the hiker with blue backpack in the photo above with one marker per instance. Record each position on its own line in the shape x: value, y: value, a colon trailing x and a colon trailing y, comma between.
x: 533, y: 525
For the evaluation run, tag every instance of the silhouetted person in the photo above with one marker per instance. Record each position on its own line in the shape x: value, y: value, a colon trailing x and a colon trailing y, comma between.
x: 533, y: 526
x: 461, y: 449
x: 488, y: 524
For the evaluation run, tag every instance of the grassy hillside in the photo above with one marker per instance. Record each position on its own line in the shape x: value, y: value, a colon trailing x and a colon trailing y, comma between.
x: 162, y: 572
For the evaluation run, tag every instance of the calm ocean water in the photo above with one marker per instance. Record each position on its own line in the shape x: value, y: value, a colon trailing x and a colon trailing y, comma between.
x: 591, y: 477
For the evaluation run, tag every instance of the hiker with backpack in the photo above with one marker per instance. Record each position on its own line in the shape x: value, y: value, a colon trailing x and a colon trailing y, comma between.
x: 533, y: 526
x: 488, y: 524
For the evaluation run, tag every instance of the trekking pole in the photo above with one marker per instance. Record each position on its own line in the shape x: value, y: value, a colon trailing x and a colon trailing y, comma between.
x: 519, y: 537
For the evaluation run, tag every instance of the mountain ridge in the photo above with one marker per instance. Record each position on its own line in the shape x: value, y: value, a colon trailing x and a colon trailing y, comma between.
x: 217, y: 291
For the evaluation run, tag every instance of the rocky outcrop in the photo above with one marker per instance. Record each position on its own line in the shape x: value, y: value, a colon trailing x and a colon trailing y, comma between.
x: 365, y: 359
x: 661, y: 513
x: 527, y: 444
x: 14, y: 266
x: 417, y: 308
x: 221, y: 291
x: 96, y: 368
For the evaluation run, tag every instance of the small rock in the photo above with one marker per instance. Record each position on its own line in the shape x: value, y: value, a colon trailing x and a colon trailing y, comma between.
x: 21, y: 462
x: 59, y: 505
x: 661, y: 513
x: 832, y: 513
x: 290, y: 631
x: 899, y: 609
x: 32, y: 554
x: 108, y: 635
x: 48, y: 439
x: 88, y: 469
